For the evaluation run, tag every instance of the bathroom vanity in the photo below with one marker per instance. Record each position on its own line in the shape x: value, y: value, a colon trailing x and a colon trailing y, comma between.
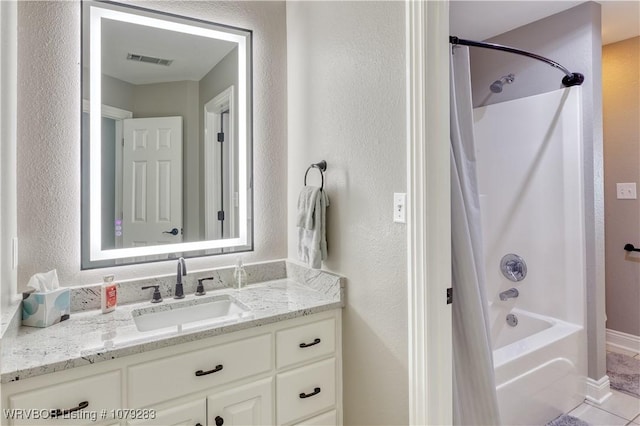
x: 279, y: 364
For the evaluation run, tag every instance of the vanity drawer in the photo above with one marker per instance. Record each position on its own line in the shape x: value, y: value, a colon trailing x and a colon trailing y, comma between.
x: 94, y: 394
x: 305, y: 391
x: 326, y: 419
x: 305, y: 342
x: 174, y: 376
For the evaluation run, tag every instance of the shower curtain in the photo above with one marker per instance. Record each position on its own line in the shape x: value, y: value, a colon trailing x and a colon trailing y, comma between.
x: 474, y: 391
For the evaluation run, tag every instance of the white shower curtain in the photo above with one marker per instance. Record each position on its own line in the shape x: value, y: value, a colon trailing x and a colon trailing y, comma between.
x: 474, y: 391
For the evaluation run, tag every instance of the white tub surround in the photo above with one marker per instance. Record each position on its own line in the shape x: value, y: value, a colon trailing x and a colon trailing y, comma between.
x: 80, y: 340
x: 530, y: 168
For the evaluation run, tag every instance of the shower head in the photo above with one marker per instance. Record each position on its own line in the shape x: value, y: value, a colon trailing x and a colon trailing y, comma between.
x: 496, y: 86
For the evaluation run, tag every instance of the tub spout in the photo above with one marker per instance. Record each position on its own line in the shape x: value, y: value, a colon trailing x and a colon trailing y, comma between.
x: 512, y: 293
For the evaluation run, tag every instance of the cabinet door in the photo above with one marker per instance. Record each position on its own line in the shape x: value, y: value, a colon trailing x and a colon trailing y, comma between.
x: 245, y: 405
x: 188, y: 414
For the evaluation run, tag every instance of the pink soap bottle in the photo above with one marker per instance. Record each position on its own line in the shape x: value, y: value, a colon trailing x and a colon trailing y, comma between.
x: 109, y: 294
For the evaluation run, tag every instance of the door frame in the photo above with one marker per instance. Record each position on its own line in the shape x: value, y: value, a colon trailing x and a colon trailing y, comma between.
x: 118, y: 115
x: 429, y: 213
x: 212, y: 115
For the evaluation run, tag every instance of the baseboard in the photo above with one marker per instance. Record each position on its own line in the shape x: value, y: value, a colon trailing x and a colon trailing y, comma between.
x: 625, y: 341
x: 598, y: 390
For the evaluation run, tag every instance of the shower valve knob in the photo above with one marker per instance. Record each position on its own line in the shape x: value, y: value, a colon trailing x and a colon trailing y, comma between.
x: 513, y: 267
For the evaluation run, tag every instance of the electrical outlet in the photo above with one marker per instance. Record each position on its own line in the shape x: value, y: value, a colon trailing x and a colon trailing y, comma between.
x: 626, y: 191
x: 400, y: 207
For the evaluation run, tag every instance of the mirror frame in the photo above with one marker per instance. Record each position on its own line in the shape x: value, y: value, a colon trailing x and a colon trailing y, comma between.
x: 99, y: 10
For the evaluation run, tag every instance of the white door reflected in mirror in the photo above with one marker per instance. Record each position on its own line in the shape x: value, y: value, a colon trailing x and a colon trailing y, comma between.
x: 152, y: 176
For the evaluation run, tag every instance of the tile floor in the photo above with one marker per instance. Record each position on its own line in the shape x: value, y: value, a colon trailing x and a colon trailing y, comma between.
x: 620, y: 409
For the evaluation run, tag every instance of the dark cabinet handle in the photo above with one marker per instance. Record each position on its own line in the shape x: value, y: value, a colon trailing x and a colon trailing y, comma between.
x: 198, y: 424
x: 630, y: 247
x: 307, y: 395
x: 219, y: 421
x: 59, y: 412
x: 204, y: 373
x: 306, y: 345
x: 174, y: 231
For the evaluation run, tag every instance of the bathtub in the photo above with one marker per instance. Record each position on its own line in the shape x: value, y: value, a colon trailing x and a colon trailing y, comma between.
x: 540, y: 368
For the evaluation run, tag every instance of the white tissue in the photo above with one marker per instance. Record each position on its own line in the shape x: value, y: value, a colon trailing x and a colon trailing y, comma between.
x: 44, y: 281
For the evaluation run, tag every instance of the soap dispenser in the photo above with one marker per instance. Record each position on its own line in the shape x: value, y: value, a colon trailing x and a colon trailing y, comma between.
x: 240, y: 275
x: 108, y: 294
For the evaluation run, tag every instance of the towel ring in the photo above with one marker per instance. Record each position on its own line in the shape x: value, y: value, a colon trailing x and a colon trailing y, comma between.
x: 322, y: 167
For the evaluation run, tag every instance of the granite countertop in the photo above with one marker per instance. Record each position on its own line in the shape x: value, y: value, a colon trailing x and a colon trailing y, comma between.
x: 90, y: 337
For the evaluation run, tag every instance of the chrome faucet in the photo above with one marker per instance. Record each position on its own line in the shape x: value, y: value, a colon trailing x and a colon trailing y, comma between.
x: 182, y: 270
x: 512, y: 293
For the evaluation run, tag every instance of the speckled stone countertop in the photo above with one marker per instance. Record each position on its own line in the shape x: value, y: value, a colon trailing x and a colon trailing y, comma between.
x: 90, y: 337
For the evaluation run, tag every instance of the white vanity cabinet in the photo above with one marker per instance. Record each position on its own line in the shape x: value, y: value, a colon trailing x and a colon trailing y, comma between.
x: 248, y: 405
x: 66, y: 403
x: 188, y: 414
x: 304, y: 387
x: 284, y: 373
x: 167, y: 378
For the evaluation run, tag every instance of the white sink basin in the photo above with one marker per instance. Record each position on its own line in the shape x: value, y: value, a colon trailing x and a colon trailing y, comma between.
x: 218, y: 309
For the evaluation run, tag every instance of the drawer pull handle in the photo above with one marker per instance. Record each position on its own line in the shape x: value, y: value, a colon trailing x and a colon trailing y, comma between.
x: 306, y: 345
x: 307, y: 395
x: 204, y: 373
x: 59, y: 412
x: 219, y: 421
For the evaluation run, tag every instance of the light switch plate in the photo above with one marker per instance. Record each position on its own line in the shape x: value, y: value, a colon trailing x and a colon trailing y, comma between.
x: 400, y: 207
x: 626, y: 191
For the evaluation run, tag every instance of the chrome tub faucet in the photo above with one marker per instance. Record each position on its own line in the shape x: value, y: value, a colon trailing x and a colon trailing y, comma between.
x: 512, y: 293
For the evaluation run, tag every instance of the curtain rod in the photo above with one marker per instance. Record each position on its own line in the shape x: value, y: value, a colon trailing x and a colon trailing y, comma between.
x: 570, y: 79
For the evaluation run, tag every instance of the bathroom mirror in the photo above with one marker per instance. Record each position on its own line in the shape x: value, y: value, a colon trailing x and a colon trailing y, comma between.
x: 166, y: 136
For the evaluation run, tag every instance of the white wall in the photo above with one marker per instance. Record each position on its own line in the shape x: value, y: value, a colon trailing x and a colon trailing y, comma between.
x: 621, y: 104
x: 49, y: 135
x: 346, y: 105
x: 573, y: 39
x: 530, y: 180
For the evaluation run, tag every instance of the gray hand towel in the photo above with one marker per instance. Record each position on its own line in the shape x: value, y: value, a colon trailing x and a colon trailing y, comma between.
x: 312, y: 224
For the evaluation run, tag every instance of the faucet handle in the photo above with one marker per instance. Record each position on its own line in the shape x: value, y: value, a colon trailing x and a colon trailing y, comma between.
x: 200, y: 288
x: 157, y: 297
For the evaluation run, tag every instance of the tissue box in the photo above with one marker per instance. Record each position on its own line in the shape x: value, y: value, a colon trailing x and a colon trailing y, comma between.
x: 45, y: 309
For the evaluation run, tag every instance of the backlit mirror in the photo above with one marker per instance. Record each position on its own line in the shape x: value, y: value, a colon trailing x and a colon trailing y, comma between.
x: 166, y: 136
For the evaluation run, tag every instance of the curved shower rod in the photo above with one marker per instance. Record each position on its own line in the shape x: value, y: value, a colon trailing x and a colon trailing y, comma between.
x: 570, y: 78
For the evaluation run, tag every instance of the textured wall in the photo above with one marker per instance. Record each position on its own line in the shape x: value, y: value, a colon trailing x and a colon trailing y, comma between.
x: 621, y: 109
x: 571, y: 38
x: 49, y: 135
x: 346, y: 105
